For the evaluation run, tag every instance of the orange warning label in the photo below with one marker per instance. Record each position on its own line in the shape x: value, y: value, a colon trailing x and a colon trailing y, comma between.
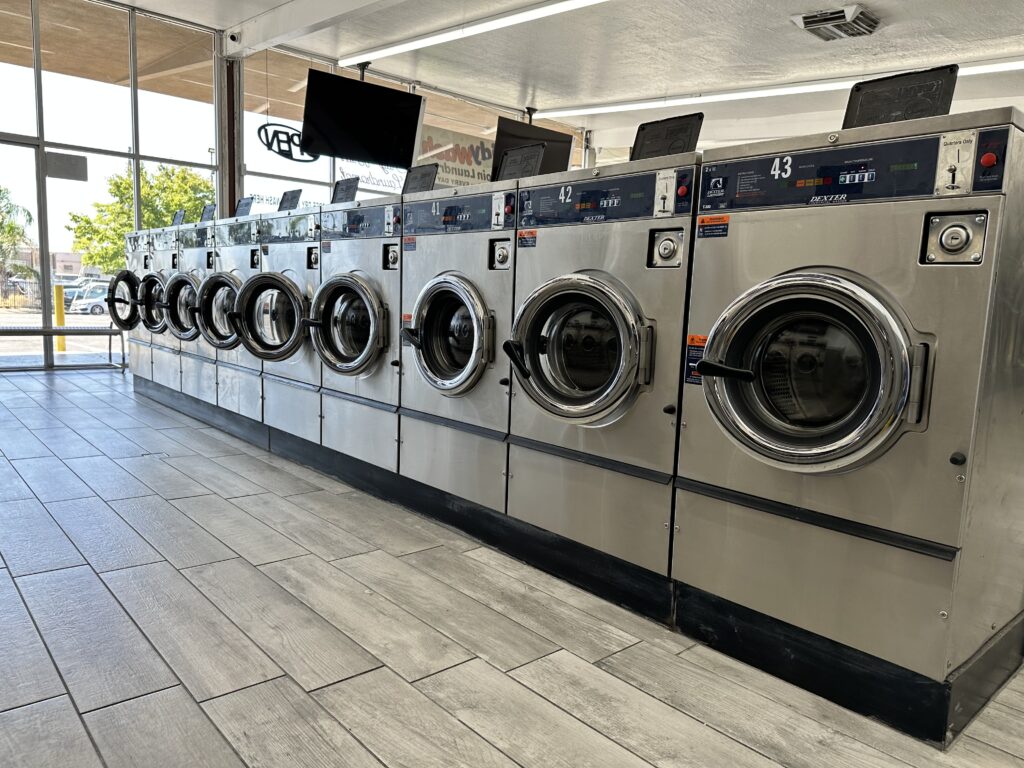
x: 693, y: 340
x: 707, y: 220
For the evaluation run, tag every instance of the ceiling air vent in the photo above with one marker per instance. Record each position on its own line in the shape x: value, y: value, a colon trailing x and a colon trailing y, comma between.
x: 838, y: 23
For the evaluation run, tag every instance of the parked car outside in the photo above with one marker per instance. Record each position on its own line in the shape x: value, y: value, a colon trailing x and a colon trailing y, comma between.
x: 90, y: 300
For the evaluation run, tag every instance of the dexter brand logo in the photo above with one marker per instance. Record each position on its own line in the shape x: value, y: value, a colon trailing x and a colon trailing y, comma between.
x: 826, y: 199
x: 284, y: 140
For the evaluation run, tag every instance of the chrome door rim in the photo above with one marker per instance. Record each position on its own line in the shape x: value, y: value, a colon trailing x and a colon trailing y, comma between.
x: 482, y: 350
x: 321, y: 315
x: 147, y: 299
x: 883, y: 418
x: 131, y: 280
x: 635, y: 333
x: 245, y: 304
x: 177, y: 283
x: 205, y: 297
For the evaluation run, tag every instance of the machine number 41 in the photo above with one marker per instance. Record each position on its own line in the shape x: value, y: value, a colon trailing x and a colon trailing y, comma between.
x: 782, y: 167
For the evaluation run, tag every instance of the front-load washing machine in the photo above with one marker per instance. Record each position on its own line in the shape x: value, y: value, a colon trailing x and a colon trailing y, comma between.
x: 355, y: 319
x: 602, y: 265
x: 198, y: 357
x: 850, y: 456
x: 237, y: 258
x: 272, y: 310
x: 152, y: 295
x: 123, y: 303
x: 457, y: 280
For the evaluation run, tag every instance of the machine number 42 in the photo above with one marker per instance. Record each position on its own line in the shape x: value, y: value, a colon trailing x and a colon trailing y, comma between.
x: 565, y: 194
x: 782, y: 167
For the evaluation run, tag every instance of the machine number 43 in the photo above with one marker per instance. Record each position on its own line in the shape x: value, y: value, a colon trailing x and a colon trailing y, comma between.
x: 782, y: 167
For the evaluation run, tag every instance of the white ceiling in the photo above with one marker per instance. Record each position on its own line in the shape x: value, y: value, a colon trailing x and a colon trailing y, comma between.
x: 628, y: 50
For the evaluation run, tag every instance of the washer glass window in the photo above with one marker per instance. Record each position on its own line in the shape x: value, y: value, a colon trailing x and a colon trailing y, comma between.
x: 448, y: 335
x: 151, y: 294
x: 272, y: 310
x: 273, y: 318
x: 122, y: 295
x: 349, y: 328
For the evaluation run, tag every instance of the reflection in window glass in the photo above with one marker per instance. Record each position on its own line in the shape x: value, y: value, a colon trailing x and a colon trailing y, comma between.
x: 86, y: 81
x: 175, y: 74
x: 266, y: 193
x: 18, y: 114
x: 20, y: 261
x: 275, y: 94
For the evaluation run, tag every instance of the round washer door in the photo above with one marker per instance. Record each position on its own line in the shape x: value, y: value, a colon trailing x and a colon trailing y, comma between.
x: 452, y: 334
x: 151, y: 302
x: 272, y: 316
x: 123, y: 301
x: 808, y: 372
x: 180, y: 295
x: 581, y: 348
x: 215, y: 300
x: 348, y: 324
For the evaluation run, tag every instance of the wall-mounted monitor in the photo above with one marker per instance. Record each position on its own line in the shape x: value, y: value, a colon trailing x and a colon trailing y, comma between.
x: 512, y: 134
x: 354, y: 120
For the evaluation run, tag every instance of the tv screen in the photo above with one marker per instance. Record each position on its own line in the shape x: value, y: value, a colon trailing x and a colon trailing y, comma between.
x: 512, y: 134
x: 354, y: 120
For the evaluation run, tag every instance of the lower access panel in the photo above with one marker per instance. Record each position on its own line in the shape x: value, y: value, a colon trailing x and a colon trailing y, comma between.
x: 877, y: 598
x: 463, y: 464
x: 140, y: 359
x: 622, y: 515
x: 199, y: 378
x: 240, y: 390
x: 361, y: 431
x: 292, y: 408
x: 167, y: 368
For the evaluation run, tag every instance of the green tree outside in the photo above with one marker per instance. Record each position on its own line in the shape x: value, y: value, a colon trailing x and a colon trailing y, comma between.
x: 13, y: 221
x: 100, y: 237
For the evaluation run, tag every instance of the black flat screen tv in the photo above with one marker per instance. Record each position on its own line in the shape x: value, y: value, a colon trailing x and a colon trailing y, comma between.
x: 513, y: 134
x: 354, y: 120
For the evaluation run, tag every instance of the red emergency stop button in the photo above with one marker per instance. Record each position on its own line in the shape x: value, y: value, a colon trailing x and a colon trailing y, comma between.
x: 508, y: 210
x: 988, y: 160
x: 682, y: 191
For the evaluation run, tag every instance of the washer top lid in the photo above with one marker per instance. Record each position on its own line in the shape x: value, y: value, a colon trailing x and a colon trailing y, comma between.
x: 986, y: 118
x: 682, y: 160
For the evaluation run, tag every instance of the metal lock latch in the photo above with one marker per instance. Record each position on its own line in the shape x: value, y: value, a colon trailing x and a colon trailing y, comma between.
x: 955, y: 238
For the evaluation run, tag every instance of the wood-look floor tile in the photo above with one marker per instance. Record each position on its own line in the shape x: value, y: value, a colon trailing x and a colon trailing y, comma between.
x: 406, y: 644
x: 763, y: 724
x: 1001, y: 727
x: 77, y: 419
x: 12, y: 487
x: 588, y: 637
x: 221, y: 481
x: 403, y: 727
x: 111, y: 442
x: 278, y: 724
x: 312, y: 532
x: 36, y: 417
x: 101, y: 535
x: 474, y: 626
x: 20, y: 443
x: 26, y: 673
x: 45, y: 735
x: 164, y: 479
x: 252, y: 539
x: 270, y: 477
x: 642, y: 724
x: 65, y: 443
x: 523, y: 725
x: 100, y: 653
x: 377, y: 522
x: 154, y: 441
x: 30, y: 541
x: 178, y: 539
x: 116, y: 419
x: 303, y: 643
x: 209, y: 654
x: 106, y: 479
x: 199, y: 442
x: 162, y: 730
x: 50, y: 480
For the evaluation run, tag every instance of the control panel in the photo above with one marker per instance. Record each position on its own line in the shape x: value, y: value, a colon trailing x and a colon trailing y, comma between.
x: 460, y: 214
x: 354, y: 223
x: 956, y: 163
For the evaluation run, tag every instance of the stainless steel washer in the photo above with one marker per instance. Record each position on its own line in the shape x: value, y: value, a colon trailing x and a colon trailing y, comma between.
x: 601, y: 279
x: 854, y: 363
x: 355, y: 325
x: 124, y: 307
x: 198, y: 356
x: 457, y: 282
x: 154, y: 306
x: 272, y: 311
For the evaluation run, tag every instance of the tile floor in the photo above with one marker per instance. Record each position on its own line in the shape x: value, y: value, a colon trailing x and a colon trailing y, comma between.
x: 172, y: 596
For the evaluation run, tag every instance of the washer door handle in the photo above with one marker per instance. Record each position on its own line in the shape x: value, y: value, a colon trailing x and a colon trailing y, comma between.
x: 710, y: 368
x: 309, y: 322
x: 514, y: 350
x: 413, y: 337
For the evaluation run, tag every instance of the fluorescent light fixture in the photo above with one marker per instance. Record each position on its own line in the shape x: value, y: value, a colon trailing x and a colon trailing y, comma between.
x: 534, y: 12
x: 820, y: 86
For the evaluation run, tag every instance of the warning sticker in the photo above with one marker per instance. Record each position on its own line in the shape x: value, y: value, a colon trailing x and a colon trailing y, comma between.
x: 527, y: 238
x: 713, y: 226
x: 325, y: 246
x: 408, y: 243
x: 694, y: 352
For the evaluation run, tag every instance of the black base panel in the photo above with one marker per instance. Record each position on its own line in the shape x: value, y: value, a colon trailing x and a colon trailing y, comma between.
x: 924, y: 708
